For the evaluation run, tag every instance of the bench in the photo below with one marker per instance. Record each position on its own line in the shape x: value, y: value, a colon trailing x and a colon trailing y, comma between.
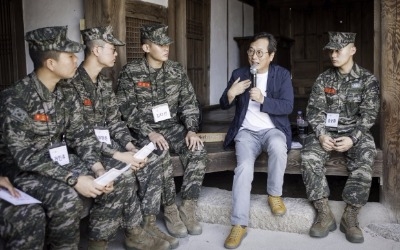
x: 224, y: 160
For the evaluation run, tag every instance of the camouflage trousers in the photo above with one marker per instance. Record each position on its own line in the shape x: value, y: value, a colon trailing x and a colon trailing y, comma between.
x: 194, y: 164
x: 62, y: 205
x: 149, y: 181
x: 360, y: 159
x: 119, y: 208
x: 22, y: 227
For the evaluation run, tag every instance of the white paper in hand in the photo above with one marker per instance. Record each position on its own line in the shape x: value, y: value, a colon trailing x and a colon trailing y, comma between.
x: 110, y: 175
x: 22, y: 200
x: 145, y: 151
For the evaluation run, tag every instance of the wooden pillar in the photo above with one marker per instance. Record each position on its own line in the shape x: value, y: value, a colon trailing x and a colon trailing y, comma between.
x: 180, y: 32
x: 109, y: 12
x: 390, y: 109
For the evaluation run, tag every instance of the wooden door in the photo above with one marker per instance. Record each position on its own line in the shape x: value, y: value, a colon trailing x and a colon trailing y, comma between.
x: 198, y: 52
x: 12, y: 45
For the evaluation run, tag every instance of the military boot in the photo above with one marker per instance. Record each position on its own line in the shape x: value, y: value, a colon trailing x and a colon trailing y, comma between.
x: 97, y: 245
x: 173, y: 222
x: 138, y: 239
x: 325, y: 220
x: 187, y: 211
x: 349, y: 224
x: 149, y: 224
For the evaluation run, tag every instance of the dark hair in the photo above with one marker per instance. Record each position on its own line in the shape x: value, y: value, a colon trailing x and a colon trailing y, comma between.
x: 272, y: 43
x: 90, y: 45
x: 39, y: 57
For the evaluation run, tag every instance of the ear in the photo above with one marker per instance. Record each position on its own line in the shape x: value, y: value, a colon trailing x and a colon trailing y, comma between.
x: 95, y: 51
x: 146, y: 48
x: 271, y: 56
x: 50, y: 64
x: 353, y: 50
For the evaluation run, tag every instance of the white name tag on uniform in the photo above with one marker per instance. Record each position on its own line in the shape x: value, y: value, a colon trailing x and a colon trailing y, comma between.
x: 103, y: 135
x: 59, y: 154
x: 332, y: 120
x: 161, y: 112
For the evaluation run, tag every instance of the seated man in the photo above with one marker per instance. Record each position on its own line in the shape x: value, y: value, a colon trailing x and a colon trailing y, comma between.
x: 159, y: 104
x: 21, y: 227
x: 343, y: 106
x: 37, y: 125
x: 100, y: 111
x: 261, y: 124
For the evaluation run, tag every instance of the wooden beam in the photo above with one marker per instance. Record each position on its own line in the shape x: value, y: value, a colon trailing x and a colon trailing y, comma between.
x: 390, y: 109
x: 180, y: 32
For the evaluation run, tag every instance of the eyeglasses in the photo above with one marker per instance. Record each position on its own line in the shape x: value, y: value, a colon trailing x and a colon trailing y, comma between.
x: 259, y: 53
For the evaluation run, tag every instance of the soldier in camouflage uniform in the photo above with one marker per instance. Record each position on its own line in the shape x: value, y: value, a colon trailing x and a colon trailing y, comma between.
x: 22, y: 227
x: 38, y: 125
x: 100, y: 111
x: 159, y: 104
x: 343, y: 105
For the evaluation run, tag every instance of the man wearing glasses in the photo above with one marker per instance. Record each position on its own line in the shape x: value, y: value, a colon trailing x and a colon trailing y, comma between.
x: 260, y: 124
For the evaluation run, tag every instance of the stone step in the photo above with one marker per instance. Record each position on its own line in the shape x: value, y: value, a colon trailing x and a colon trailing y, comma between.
x: 215, y: 206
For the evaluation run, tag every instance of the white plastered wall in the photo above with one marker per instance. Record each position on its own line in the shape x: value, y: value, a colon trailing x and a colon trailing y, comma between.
x: 44, y: 13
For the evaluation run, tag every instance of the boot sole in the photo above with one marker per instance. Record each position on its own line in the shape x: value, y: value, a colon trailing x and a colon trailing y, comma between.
x: 332, y: 227
x: 348, y: 238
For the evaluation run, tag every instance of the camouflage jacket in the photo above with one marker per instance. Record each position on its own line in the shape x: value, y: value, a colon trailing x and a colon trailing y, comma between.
x: 100, y: 108
x: 140, y: 88
x: 27, y: 136
x: 354, y: 96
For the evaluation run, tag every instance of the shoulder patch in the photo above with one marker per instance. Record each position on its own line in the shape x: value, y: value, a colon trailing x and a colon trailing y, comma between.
x: 18, y: 114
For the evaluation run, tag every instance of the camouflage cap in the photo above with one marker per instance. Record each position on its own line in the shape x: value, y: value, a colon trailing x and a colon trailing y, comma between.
x: 101, y: 33
x: 156, y: 33
x: 52, y: 38
x: 338, y: 40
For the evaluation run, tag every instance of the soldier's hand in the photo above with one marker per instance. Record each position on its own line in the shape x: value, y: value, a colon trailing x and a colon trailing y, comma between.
x: 109, y: 188
x: 342, y: 144
x: 5, y: 183
x: 126, y: 157
x: 159, y: 140
x: 87, y: 187
x: 327, y: 142
x: 130, y: 147
x: 138, y: 163
x: 238, y: 87
x: 193, y: 141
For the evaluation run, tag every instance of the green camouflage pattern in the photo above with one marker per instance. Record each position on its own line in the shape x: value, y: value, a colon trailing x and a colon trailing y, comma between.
x: 104, y: 112
x: 169, y: 85
x: 62, y: 205
x: 22, y: 227
x: 52, y: 38
x: 101, y: 33
x: 27, y: 141
x: 118, y: 209
x: 357, y: 101
x: 156, y: 33
x: 338, y: 40
x: 360, y: 160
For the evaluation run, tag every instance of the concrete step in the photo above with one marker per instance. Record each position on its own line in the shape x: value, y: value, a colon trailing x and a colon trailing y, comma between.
x: 215, y: 206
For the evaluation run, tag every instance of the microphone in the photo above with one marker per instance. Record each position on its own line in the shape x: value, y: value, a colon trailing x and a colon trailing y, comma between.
x: 253, y: 71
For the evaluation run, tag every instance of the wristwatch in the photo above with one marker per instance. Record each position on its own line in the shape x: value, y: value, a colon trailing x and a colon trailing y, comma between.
x: 73, y: 179
x: 354, y: 139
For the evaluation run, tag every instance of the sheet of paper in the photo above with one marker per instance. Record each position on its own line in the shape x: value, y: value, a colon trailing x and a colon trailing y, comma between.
x: 145, y: 151
x: 22, y: 200
x: 111, y: 175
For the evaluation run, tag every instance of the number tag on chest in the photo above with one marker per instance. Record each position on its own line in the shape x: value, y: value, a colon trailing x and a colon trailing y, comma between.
x: 161, y: 112
x: 59, y: 153
x: 103, y: 135
x: 332, y: 120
